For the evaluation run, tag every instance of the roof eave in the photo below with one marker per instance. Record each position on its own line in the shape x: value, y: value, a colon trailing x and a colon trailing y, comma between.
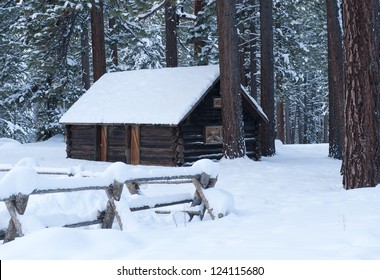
x: 255, y: 105
x: 199, y: 100
x: 118, y: 124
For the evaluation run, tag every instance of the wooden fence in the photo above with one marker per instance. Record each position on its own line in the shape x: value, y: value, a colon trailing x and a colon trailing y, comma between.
x: 16, y: 204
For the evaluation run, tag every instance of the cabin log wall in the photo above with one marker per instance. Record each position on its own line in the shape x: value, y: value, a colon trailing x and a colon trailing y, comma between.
x: 81, y: 141
x: 193, y: 129
x: 251, y: 138
x: 156, y: 145
x: 116, y: 143
x: 251, y: 131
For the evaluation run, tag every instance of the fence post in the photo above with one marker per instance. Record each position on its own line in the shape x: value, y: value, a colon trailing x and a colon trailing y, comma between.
x: 133, y: 188
x: 113, y: 193
x: 203, y: 182
x: 15, y: 207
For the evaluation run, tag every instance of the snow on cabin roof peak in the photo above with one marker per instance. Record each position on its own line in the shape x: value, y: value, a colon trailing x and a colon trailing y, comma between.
x: 151, y: 96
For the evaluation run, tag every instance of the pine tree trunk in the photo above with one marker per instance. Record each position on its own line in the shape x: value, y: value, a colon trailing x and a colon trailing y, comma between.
x: 198, y: 44
x: 287, y: 123
x: 361, y: 155
x: 113, y: 35
x: 98, y: 43
x: 305, y: 125
x: 113, y: 44
x: 253, y: 52
x: 299, y: 125
x: 171, y: 34
x: 232, y: 115
x: 335, y: 77
x: 326, y: 129
x: 280, y: 120
x: 267, y: 77
x: 85, y: 56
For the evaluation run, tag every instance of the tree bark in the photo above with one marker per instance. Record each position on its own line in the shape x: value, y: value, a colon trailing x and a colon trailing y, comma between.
x: 232, y: 115
x: 199, y: 44
x: 288, y: 138
x: 98, y: 43
x: 85, y: 56
x: 171, y: 50
x: 113, y: 44
x: 267, y: 77
x: 305, y: 124
x: 361, y: 155
x: 299, y: 125
x: 335, y: 79
x: 253, y: 52
x: 280, y: 120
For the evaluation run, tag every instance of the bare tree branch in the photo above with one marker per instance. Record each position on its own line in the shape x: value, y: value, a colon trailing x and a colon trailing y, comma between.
x: 151, y: 11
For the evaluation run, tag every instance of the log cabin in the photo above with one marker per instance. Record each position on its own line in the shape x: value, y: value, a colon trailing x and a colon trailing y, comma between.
x: 167, y: 117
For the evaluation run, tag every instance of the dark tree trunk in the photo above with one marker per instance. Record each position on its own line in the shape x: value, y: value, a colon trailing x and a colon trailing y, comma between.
x: 325, y: 129
x: 361, y: 155
x: 113, y: 44
x: 335, y: 77
x: 98, y: 44
x: 232, y: 115
x: 253, y: 52
x: 113, y: 34
x: 287, y: 123
x: 171, y: 51
x: 267, y: 77
x: 305, y: 125
x: 280, y: 120
x: 243, y: 70
x: 280, y: 125
x: 299, y: 125
x: 85, y: 57
x: 243, y: 50
x: 199, y: 44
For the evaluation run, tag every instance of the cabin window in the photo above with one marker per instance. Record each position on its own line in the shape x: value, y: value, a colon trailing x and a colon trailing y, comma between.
x: 214, y: 134
x: 217, y: 102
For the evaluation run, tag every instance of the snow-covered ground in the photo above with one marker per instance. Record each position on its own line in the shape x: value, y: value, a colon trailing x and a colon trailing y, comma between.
x: 290, y: 206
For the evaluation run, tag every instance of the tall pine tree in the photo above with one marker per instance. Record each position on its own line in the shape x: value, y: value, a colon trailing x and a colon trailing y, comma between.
x: 361, y: 156
x: 267, y: 77
x: 232, y: 115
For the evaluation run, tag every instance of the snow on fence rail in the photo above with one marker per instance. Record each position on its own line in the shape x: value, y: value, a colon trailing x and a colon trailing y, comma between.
x: 49, y: 170
x: 23, y: 181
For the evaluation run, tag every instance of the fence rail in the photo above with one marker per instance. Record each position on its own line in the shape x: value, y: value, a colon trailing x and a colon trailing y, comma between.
x: 58, y: 171
x: 16, y: 204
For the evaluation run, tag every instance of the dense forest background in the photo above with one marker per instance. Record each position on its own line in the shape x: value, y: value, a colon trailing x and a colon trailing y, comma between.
x: 46, y: 56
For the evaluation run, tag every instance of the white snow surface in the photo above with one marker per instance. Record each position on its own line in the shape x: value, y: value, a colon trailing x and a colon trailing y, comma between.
x: 150, y: 96
x: 289, y: 206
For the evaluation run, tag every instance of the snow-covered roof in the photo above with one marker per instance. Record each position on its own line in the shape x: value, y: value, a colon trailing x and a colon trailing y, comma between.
x: 255, y: 105
x: 153, y: 96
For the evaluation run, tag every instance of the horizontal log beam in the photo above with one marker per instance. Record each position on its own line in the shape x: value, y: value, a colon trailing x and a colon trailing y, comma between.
x: 164, y: 179
x: 60, y: 190
x: 190, y: 212
x: 84, y: 224
x: 180, y: 179
x: 158, y: 205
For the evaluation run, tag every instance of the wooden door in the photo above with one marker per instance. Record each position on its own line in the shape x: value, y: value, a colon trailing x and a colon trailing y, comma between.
x: 128, y: 144
x: 135, y: 144
x: 101, y: 143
